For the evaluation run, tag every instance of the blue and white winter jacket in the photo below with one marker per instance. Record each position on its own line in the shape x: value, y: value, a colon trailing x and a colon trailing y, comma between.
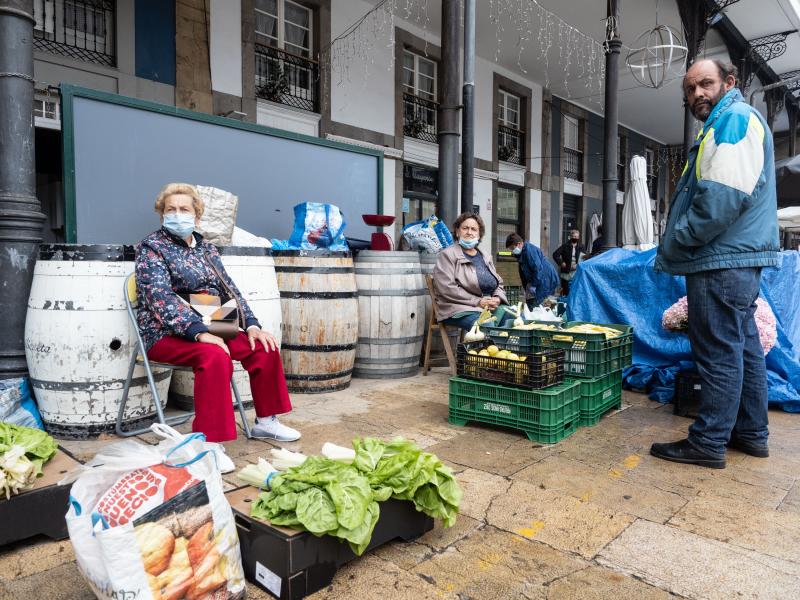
x: 723, y: 214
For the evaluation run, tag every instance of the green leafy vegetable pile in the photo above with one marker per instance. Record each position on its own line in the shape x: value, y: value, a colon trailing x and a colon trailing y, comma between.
x: 330, y: 497
x: 23, y: 451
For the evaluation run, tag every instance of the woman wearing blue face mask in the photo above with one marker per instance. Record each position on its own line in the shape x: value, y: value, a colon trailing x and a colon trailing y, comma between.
x: 465, y: 278
x: 538, y: 276
x: 175, y: 260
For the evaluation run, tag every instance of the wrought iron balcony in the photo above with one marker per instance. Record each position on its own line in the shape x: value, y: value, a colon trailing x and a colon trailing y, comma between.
x: 286, y: 78
x: 510, y: 145
x: 573, y: 164
x: 80, y: 29
x: 420, y: 118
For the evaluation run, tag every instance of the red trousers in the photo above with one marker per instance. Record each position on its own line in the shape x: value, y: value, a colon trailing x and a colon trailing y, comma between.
x: 213, y: 369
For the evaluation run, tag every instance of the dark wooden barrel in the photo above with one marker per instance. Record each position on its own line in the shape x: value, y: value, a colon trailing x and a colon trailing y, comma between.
x: 391, y: 306
x: 319, y: 308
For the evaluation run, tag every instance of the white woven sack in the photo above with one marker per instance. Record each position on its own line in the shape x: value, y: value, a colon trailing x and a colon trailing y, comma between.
x: 219, y: 218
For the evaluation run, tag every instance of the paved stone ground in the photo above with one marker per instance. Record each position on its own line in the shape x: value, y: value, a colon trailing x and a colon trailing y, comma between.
x: 594, y: 516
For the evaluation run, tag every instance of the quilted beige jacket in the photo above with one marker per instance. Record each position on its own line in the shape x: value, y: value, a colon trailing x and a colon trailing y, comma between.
x: 456, y: 282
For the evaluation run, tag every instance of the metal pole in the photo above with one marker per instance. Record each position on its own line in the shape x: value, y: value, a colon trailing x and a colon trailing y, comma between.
x: 468, y: 116
x: 20, y: 216
x: 610, y: 128
x: 448, y: 114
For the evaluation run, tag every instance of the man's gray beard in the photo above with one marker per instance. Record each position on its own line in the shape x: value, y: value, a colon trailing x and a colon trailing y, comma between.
x: 714, y: 102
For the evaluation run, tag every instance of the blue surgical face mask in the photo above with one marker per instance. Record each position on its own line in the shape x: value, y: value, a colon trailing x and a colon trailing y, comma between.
x: 180, y: 225
x: 468, y: 244
x: 516, y: 251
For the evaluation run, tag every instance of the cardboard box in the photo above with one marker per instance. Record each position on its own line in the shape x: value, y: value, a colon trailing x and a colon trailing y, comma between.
x: 41, y: 509
x: 291, y: 564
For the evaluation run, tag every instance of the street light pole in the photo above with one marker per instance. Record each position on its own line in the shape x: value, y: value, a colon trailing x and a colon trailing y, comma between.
x: 610, y: 124
x: 448, y: 113
x: 20, y: 216
x: 468, y: 116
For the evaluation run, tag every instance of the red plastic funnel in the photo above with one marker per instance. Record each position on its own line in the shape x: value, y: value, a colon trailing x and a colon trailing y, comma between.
x: 378, y: 220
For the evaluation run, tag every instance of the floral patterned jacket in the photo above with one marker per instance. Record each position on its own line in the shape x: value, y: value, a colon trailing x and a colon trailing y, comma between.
x: 165, y: 267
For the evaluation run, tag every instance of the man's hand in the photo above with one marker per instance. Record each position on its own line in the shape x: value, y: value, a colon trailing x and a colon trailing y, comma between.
x: 209, y: 338
x: 254, y: 334
x: 563, y: 265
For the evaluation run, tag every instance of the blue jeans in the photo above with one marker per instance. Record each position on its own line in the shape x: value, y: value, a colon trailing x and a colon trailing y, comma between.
x: 729, y: 357
x: 466, y: 322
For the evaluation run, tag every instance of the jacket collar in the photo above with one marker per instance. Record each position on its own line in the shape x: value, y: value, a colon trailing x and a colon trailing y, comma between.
x: 461, y: 255
x: 731, y: 96
x: 180, y: 241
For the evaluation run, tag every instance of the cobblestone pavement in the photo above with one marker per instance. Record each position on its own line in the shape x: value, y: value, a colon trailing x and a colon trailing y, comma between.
x: 594, y: 516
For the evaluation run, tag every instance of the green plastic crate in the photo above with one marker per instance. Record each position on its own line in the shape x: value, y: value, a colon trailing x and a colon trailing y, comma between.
x: 547, y: 416
x: 585, y: 354
x: 598, y: 396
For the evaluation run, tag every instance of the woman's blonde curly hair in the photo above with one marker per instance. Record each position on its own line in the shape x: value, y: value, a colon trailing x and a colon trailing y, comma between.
x: 186, y: 189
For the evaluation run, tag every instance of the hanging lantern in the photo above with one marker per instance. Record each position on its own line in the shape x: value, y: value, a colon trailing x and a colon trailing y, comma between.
x: 653, y: 55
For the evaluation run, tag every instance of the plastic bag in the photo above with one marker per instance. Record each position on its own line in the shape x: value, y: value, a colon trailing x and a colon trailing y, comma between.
x: 318, y: 226
x: 17, y: 405
x: 539, y: 313
x: 428, y: 236
x: 152, y: 522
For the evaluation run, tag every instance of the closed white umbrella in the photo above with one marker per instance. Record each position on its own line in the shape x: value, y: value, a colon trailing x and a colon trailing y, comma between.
x: 637, y: 222
x: 789, y: 217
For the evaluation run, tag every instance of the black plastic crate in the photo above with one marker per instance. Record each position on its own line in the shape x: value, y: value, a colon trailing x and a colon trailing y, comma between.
x: 538, y: 370
x: 686, y: 401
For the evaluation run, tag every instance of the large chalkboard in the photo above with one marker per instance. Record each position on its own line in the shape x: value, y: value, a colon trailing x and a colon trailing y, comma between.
x: 119, y: 152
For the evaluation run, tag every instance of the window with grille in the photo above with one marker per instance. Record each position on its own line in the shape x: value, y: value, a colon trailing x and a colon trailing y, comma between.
x: 573, y: 148
x: 81, y: 29
x: 420, y: 108
x: 510, y: 134
x: 285, y: 70
x: 509, y: 215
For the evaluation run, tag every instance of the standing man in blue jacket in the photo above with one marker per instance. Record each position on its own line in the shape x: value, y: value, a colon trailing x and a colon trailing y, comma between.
x: 722, y: 230
x: 538, y: 276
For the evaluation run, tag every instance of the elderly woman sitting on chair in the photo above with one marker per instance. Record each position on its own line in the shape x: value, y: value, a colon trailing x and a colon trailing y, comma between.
x: 175, y: 260
x: 465, y: 278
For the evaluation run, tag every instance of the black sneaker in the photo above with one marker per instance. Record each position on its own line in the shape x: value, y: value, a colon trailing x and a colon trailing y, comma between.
x: 756, y: 450
x: 684, y: 452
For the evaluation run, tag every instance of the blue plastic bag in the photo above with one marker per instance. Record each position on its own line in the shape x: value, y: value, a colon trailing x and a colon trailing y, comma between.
x: 428, y: 236
x: 17, y: 405
x: 318, y: 226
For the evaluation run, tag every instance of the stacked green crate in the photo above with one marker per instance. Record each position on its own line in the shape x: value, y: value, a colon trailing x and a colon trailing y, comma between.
x: 590, y: 358
x: 514, y: 294
x: 546, y: 415
x: 598, y: 396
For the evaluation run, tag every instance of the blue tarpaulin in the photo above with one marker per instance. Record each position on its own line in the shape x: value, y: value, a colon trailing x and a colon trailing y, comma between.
x: 620, y: 286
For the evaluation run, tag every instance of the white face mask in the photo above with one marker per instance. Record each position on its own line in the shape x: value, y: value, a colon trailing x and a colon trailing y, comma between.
x: 516, y: 251
x: 180, y: 225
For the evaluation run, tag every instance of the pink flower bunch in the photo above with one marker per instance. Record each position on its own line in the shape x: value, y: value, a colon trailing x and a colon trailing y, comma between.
x: 676, y: 318
x: 767, y: 327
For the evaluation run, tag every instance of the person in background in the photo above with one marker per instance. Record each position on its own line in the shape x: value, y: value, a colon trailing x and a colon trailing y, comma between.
x: 567, y: 257
x: 721, y: 231
x: 465, y: 279
x: 538, y: 276
x: 597, y: 245
x: 175, y: 260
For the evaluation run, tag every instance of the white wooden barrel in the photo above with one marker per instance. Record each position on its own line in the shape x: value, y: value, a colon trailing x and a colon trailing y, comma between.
x: 391, y: 309
x: 428, y: 264
x: 319, y: 303
x: 253, y: 271
x: 79, y: 340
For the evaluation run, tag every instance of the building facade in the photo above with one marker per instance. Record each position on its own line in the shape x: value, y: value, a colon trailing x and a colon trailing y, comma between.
x: 538, y: 157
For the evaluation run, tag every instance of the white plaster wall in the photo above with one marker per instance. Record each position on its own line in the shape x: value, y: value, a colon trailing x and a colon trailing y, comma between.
x: 389, y: 169
x: 364, y: 95
x: 534, y: 200
x: 225, y: 47
x: 483, y: 198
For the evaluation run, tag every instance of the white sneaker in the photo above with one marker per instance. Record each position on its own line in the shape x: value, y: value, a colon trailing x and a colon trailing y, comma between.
x: 272, y: 429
